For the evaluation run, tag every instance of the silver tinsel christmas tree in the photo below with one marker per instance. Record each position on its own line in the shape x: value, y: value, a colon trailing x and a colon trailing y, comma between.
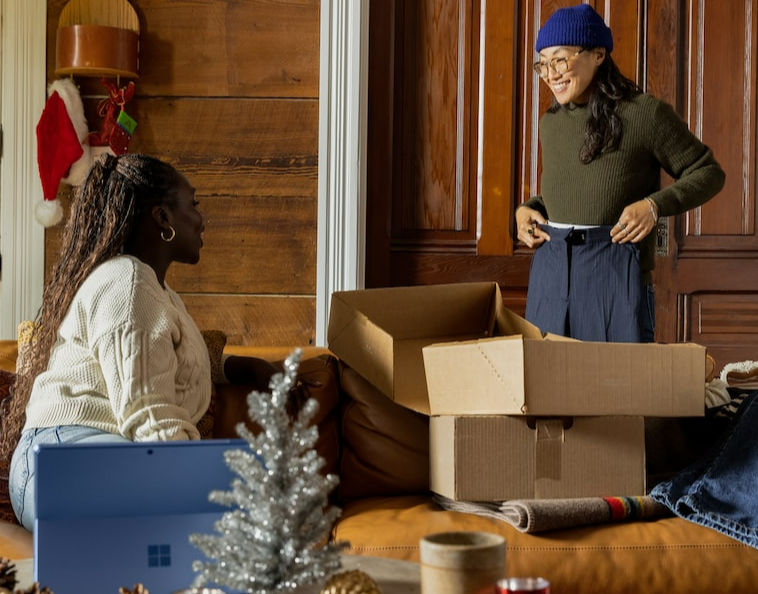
x: 274, y: 539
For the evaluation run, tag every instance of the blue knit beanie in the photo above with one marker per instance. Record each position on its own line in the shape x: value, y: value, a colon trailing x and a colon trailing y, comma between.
x: 576, y: 25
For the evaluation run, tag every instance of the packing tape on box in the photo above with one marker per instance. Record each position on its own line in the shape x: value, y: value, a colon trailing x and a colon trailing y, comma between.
x: 548, y: 450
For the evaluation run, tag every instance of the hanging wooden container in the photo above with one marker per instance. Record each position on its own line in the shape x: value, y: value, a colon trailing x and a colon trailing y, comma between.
x: 98, y: 38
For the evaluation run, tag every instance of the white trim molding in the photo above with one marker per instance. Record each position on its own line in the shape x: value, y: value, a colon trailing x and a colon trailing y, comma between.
x: 342, y: 153
x: 22, y: 98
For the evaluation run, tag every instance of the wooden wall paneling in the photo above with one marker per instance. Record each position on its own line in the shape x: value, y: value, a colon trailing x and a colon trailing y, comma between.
x: 722, y: 96
x: 662, y: 64
x: 252, y: 48
x: 237, y: 147
x: 228, y: 93
x: 222, y: 48
x: 255, y: 320
x: 726, y: 323
x: 256, y: 245
x: 497, y: 110
x: 433, y: 110
x: 271, y: 251
x: 380, y: 180
x: 626, y: 20
x: 708, y: 283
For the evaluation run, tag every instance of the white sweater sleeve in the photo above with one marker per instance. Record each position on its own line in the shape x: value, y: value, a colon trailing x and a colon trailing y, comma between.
x: 139, y: 367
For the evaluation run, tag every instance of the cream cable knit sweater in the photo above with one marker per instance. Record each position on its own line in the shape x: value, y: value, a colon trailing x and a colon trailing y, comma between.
x: 129, y: 360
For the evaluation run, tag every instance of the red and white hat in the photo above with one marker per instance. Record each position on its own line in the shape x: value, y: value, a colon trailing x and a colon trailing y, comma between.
x: 62, y: 153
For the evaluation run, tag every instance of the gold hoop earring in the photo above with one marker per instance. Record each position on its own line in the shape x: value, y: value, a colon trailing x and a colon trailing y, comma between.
x: 169, y: 238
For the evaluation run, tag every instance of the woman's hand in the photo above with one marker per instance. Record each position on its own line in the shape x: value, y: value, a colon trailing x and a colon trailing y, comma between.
x: 636, y: 221
x: 527, y: 226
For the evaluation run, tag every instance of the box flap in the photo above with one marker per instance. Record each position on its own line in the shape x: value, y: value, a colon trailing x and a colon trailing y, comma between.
x: 476, y: 377
x: 425, y: 311
x: 360, y: 343
x: 381, y: 332
x: 510, y: 323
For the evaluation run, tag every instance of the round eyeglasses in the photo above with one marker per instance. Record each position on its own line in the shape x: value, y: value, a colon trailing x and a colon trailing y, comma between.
x: 557, y: 65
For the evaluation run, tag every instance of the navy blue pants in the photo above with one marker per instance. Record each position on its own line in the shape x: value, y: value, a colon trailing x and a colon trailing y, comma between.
x: 584, y: 286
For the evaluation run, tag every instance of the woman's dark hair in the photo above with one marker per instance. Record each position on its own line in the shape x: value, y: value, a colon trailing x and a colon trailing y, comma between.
x: 604, y: 127
x: 117, y: 192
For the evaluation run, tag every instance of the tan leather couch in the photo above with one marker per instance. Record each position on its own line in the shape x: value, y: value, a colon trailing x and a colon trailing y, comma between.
x: 380, y: 451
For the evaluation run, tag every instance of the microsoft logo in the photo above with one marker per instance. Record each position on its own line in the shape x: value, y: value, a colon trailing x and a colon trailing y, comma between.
x: 159, y: 555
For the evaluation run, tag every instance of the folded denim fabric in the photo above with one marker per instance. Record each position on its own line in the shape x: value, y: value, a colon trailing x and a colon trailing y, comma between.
x: 719, y: 490
x: 540, y: 515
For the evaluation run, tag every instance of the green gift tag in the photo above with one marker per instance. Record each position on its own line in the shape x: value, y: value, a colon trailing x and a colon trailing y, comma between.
x: 126, y: 122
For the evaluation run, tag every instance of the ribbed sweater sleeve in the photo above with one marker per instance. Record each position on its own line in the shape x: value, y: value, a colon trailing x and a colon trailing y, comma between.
x: 128, y: 360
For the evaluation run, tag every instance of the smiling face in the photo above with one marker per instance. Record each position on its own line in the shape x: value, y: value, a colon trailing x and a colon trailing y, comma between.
x: 573, y: 86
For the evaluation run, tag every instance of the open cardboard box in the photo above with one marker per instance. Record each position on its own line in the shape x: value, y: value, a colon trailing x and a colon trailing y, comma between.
x: 496, y: 458
x: 499, y: 385
x: 479, y: 358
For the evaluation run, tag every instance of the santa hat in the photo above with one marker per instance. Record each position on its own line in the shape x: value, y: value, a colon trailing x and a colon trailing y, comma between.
x: 62, y: 154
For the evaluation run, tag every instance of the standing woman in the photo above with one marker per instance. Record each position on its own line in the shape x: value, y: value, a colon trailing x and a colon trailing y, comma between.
x: 115, y: 356
x: 604, y: 143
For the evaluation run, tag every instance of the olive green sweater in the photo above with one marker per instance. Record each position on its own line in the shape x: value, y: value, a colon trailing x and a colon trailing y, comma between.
x: 654, y: 138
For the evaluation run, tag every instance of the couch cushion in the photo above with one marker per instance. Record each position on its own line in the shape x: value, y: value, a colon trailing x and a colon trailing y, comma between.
x: 7, y: 379
x: 215, y: 341
x: 318, y: 378
x: 8, y: 355
x: 667, y: 555
x: 16, y: 542
x: 385, y: 447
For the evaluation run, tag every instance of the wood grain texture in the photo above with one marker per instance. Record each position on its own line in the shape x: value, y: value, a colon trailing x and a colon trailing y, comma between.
x: 222, y: 48
x: 236, y: 147
x: 498, y: 105
x: 228, y: 94
x: 435, y: 94
x: 722, y: 96
x: 727, y: 323
x: 256, y: 320
x: 254, y: 245
x: 262, y: 245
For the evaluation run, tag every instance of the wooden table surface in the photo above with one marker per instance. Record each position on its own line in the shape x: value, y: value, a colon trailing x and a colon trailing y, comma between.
x: 392, y: 576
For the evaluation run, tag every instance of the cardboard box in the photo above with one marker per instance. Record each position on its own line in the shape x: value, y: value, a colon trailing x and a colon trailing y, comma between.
x: 494, y: 458
x: 477, y: 357
x: 381, y: 332
x: 522, y: 372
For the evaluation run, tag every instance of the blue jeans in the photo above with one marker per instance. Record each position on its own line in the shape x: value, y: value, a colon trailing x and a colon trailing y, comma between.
x: 584, y: 286
x: 719, y: 490
x: 21, y: 477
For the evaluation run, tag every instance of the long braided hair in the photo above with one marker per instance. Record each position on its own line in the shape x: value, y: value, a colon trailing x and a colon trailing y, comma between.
x: 117, y: 192
x: 604, y: 127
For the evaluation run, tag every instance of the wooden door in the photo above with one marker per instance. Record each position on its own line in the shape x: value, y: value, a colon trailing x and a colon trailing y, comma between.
x: 453, y: 149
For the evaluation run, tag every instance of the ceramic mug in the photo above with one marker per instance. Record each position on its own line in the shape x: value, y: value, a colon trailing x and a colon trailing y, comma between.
x: 461, y: 562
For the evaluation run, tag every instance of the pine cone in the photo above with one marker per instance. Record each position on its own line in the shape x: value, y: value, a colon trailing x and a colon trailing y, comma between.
x: 7, y: 574
x: 138, y: 589
x: 351, y: 582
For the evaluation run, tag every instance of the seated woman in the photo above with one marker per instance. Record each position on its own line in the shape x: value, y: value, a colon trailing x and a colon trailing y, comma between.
x: 115, y: 355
